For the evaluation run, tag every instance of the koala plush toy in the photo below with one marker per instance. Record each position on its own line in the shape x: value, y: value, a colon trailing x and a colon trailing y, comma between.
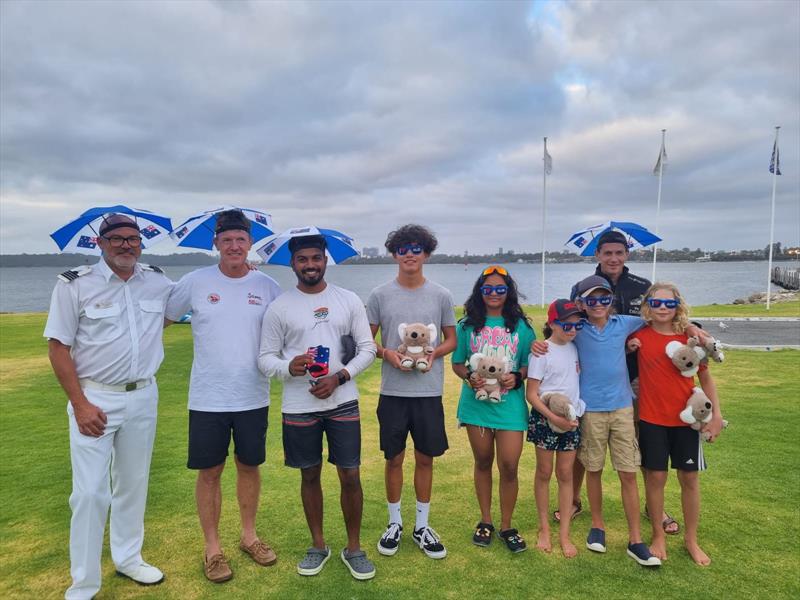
x: 560, y: 405
x: 698, y: 412
x: 416, y: 347
x: 686, y: 357
x: 490, y: 369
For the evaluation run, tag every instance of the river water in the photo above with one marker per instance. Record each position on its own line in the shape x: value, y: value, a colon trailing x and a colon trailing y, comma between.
x: 28, y: 289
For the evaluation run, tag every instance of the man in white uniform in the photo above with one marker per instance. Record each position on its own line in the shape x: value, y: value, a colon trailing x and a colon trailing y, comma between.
x: 316, y: 315
x: 104, y: 337
x: 228, y: 395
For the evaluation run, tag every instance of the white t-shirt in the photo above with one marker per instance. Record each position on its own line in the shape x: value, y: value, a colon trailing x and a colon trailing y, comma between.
x: 226, y: 327
x: 559, y: 371
x: 298, y: 321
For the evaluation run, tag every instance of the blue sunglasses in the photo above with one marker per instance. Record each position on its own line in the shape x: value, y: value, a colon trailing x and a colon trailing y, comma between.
x: 657, y: 302
x: 595, y: 300
x: 567, y: 327
x: 500, y: 290
x: 413, y: 248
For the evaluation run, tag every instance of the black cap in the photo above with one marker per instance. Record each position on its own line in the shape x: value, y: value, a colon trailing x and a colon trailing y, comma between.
x: 562, y: 308
x: 592, y: 283
x: 228, y: 220
x: 612, y: 237
x: 302, y: 242
x: 115, y: 221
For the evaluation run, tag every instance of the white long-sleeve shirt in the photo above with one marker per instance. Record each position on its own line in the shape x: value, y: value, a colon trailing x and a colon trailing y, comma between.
x: 297, y: 321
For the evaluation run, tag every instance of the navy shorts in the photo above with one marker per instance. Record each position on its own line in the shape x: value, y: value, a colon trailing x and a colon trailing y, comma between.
x: 423, y: 418
x: 680, y: 445
x: 210, y: 436
x: 539, y: 433
x: 302, y: 437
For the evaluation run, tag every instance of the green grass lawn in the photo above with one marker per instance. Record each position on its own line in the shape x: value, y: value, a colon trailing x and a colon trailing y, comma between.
x: 750, y: 524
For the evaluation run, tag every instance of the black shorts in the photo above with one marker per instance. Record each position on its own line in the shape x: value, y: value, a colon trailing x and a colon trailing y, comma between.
x: 210, y: 436
x: 422, y: 417
x: 302, y: 437
x: 681, y: 445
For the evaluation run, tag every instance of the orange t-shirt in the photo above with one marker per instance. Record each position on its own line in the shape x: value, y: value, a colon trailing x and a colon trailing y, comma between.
x: 663, y: 391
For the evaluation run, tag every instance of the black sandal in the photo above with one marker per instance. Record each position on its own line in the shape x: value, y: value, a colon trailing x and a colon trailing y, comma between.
x: 577, y: 509
x: 513, y: 540
x: 483, y: 534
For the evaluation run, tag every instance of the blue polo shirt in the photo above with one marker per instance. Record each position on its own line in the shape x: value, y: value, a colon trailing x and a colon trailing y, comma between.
x: 604, y: 372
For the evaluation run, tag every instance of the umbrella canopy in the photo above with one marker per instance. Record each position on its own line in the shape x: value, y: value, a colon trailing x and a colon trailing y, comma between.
x: 586, y: 240
x: 198, y: 231
x: 276, y: 250
x: 80, y: 235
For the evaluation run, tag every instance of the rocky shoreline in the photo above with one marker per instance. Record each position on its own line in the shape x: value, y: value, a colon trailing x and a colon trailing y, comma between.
x: 775, y: 298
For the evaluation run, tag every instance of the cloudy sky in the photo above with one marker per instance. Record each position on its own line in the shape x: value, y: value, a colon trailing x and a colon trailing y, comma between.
x: 363, y: 116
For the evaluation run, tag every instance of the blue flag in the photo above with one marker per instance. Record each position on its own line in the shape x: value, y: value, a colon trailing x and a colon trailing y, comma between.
x: 775, y: 161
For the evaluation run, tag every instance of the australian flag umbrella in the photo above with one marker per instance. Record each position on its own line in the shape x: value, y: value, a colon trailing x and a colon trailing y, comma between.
x: 80, y: 235
x: 276, y: 250
x: 198, y: 231
x: 586, y: 240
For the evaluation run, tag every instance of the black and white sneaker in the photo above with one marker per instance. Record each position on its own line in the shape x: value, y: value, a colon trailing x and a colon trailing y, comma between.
x: 429, y: 542
x: 389, y: 543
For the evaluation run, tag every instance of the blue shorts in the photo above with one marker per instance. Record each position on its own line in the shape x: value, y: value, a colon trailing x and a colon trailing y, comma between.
x: 302, y: 437
x: 539, y: 433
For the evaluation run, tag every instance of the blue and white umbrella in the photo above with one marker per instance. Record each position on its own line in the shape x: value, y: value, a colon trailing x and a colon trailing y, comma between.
x: 80, y: 235
x: 586, y: 240
x: 198, y: 231
x: 276, y: 250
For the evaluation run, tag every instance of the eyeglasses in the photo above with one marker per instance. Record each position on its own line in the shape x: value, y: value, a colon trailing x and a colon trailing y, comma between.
x: 567, y: 327
x: 500, y: 290
x: 134, y: 241
x: 656, y: 302
x: 494, y: 269
x: 595, y: 300
x: 415, y: 249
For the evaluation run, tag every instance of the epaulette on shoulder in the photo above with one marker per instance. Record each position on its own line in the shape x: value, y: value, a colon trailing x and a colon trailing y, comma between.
x: 152, y: 268
x: 73, y: 274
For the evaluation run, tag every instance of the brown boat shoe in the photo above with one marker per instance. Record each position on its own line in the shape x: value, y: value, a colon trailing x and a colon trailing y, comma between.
x: 216, y: 568
x: 260, y: 552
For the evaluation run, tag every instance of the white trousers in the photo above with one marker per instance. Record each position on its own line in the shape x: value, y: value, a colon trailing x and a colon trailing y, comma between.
x: 111, y: 470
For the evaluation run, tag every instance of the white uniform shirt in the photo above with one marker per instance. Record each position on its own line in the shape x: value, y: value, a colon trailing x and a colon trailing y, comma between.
x: 226, y: 328
x: 113, y: 327
x: 298, y: 321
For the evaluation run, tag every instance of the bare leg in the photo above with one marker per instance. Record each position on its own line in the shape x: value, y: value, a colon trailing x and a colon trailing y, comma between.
x: 509, y: 449
x: 565, y: 464
x: 655, y: 481
x: 690, y: 499
x: 482, y: 442
x: 208, y: 494
x: 352, y: 500
x: 594, y: 489
x: 423, y: 476
x: 578, y: 471
x: 541, y: 490
x: 248, y: 487
x: 393, y: 476
x: 673, y: 527
x: 311, y: 494
x: 630, y: 502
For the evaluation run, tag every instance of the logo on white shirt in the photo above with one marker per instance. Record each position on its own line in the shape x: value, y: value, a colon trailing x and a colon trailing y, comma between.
x: 213, y: 298
x: 254, y: 299
x: 321, y: 313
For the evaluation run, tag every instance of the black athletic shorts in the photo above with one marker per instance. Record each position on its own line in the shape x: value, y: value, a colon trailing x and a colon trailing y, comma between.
x: 422, y: 417
x: 681, y: 445
x: 302, y: 437
x: 210, y: 436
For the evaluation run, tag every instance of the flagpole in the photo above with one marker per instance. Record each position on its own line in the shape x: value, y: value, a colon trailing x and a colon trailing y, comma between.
x: 776, y: 160
x: 658, y: 202
x: 544, y: 210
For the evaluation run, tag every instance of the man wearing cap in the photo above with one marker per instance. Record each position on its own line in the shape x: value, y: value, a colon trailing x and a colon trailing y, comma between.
x: 104, y: 339
x: 228, y: 395
x: 301, y: 342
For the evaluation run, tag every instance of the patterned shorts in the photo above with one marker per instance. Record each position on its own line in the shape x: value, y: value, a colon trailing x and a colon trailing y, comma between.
x: 539, y: 433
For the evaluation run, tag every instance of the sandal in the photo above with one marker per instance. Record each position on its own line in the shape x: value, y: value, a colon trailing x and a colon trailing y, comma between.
x: 483, y: 534
x: 667, y: 522
x: 577, y: 509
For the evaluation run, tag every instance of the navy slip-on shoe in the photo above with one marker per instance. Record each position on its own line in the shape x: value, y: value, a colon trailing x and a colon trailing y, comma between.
x: 596, y: 541
x: 641, y: 554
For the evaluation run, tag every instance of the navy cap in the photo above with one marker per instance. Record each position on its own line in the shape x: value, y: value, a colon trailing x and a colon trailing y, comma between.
x: 612, y: 237
x: 561, y: 309
x: 592, y: 283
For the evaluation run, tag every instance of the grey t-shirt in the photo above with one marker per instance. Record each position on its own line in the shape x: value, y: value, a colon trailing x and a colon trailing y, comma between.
x: 391, y: 304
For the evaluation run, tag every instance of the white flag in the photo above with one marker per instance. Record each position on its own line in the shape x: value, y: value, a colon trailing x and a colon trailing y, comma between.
x: 661, y: 163
x: 548, y: 160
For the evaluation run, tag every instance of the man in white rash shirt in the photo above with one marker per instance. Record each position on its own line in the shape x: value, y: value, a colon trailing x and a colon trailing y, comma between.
x: 317, y: 314
x: 228, y: 395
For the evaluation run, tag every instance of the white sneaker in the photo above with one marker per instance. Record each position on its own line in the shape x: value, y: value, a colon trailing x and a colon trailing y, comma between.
x: 143, y: 574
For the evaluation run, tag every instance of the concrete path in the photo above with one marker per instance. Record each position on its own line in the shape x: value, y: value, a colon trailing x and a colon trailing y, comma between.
x: 765, y: 333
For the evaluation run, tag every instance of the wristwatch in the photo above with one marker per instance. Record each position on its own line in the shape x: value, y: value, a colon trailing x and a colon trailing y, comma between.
x: 341, y: 378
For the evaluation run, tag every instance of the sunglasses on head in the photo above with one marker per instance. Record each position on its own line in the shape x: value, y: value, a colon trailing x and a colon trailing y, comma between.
x: 413, y: 248
x: 567, y: 327
x: 500, y: 290
x: 669, y: 303
x: 595, y: 300
x: 494, y: 269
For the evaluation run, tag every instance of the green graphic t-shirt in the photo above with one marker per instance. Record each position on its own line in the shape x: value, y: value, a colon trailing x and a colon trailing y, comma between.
x: 511, y: 413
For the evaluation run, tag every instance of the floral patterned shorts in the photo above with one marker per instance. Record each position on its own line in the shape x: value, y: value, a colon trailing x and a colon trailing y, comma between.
x: 539, y: 433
